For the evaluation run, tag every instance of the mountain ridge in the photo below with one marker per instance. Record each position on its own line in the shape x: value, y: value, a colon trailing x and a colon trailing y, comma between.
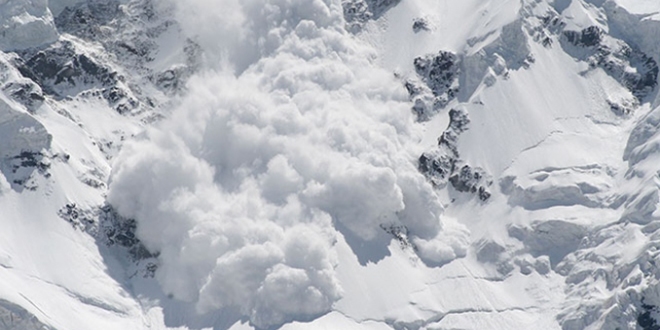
x: 362, y: 164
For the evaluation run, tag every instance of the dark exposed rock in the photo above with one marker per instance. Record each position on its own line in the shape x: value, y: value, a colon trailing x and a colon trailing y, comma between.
x: 358, y: 12
x: 458, y: 121
x: 78, y: 218
x: 62, y: 71
x: 552, y: 22
x: 23, y: 168
x: 128, y: 34
x: 483, y: 193
x: 443, y: 164
x: 634, y: 69
x: 468, y: 179
x: 111, y: 229
x: 31, y: 159
x: 420, y: 24
x: 119, y: 99
x: 436, y: 165
x: 28, y: 94
x: 589, y: 37
x: 438, y: 83
x: 60, y: 68
x: 647, y: 318
x: 439, y: 72
x: 117, y: 230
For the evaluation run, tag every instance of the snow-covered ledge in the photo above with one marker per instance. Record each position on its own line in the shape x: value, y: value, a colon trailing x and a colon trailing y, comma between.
x: 25, y: 24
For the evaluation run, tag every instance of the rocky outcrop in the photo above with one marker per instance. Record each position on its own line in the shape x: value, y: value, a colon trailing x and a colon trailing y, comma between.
x: 589, y: 37
x: 440, y: 74
x: 112, y: 230
x: 631, y: 67
x: 26, y: 93
x: 443, y: 164
x: 435, y: 85
x: 468, y: 179
x: 358, y: 12
x: 74, y: 66
x: 646, y: 319
x: 420, y: 24
x: 117, y: 230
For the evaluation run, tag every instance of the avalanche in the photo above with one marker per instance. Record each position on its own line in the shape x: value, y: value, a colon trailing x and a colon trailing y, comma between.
x: 353, y: 164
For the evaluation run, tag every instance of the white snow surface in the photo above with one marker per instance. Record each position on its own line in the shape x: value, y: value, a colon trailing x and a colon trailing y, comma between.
x: 25, y: 24
x: 282, y: 189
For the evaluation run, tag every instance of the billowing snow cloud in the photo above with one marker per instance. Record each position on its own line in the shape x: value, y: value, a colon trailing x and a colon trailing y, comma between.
x: 294, y: 132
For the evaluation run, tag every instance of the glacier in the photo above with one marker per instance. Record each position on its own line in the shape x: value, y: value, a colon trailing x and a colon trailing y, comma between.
x: 326, y: 164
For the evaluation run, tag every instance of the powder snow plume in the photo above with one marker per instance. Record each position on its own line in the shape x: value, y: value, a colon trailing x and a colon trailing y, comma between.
x: 285, y: 144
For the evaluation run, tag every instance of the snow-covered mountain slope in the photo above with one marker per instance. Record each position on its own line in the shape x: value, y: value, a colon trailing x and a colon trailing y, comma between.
x: 327, y: 164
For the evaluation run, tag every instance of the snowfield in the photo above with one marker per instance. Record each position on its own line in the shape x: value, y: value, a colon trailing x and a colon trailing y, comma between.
x: 329, y: 164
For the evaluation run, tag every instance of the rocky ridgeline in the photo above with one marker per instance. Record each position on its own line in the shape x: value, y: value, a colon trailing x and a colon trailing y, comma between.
x: 623, y: 61
x: 136, y: 45
x: 62, y: 70
x: 634, y: 69
x: 105, y: 51
x: 119, y: 72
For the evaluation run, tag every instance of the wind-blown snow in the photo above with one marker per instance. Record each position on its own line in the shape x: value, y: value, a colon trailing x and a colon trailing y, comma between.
x: 244, y: 190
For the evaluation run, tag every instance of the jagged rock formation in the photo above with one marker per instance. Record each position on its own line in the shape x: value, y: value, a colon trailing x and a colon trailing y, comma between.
x: 358, y: 12
x: 443, y: 164
x: 631, y: 67
x: 439, y: 74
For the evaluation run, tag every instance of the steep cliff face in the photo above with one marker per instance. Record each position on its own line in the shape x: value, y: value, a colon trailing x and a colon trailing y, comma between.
x: 358, y: 164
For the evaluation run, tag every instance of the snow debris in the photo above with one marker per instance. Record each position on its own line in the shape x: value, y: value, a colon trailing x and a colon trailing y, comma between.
x: 244, y: 190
